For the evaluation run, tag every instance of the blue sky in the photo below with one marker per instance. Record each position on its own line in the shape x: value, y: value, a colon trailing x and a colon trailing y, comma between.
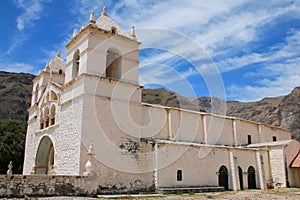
x: 235, y: 49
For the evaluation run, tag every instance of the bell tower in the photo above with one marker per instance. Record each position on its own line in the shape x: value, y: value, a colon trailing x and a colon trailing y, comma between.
x: 103, y: 52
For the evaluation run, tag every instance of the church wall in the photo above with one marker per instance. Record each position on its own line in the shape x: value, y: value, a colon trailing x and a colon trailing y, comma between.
x: 199, y: 166
x: 277, y: 165
x: 245, y: 128
x: 185, y: 126
x: 154, y: 122
x: 247, y: 158
x: 267, y: 134
x: 114, y: 127
x: 112, y: 89
x: 219, y: 130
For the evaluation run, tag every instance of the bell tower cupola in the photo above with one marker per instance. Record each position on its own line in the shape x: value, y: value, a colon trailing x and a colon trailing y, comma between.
x: 103, y: 49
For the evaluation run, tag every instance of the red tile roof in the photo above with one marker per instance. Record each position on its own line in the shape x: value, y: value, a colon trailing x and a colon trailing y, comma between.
x: 296, y: 161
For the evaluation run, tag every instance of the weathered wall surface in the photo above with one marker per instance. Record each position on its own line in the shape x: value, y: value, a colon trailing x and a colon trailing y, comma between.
x: 278, y: 166
x: 43, y: 185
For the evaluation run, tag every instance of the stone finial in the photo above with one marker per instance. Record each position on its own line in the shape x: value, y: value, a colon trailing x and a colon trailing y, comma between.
x: 104, y: 11
x: 92, y: 18
x: 47, y: 66
x: 53, y: 170
x: 132, y: 32
x: 32, y: 171
x: 91, y: 149
x: 81, y: 29
x: 9, y: 171
x: 75, y: 33
x: 58, y: 53
x: 89, y: 166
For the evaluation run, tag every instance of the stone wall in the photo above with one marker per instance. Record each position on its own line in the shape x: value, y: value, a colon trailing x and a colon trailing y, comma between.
x: 43, y: 185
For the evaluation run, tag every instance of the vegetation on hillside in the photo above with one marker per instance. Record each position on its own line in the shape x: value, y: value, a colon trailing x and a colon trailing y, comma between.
x: 12, y: 142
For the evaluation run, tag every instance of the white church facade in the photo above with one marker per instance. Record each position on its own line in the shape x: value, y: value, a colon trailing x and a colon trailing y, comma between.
x: 87, y: 118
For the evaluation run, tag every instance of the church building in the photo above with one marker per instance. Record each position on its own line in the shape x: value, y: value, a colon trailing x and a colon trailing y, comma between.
x: 87, y: 119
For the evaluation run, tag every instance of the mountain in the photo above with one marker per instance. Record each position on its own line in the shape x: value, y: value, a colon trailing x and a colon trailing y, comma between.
x: 284, y: 111
x: 15, y: 96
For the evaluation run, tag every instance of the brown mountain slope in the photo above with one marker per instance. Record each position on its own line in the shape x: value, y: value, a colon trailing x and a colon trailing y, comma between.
x: 15, y: 95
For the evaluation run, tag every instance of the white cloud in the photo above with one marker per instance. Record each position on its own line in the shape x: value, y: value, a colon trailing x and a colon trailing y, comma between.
x: 18, y: 67
x: 31, y: 11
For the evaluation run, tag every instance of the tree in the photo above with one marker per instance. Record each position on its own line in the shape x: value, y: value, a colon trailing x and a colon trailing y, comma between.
x: 12, y: 142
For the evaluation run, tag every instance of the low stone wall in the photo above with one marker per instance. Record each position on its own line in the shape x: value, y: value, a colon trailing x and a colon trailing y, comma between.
x: 44, y: 185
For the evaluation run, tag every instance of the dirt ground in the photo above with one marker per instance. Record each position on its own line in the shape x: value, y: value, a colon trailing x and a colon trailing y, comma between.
x: 276, y: 194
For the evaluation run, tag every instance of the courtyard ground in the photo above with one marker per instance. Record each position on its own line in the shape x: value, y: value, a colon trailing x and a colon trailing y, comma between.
x: 276, y: 194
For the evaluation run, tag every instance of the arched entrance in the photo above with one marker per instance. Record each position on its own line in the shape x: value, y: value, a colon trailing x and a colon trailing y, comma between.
x: 223, y: 177
x: 241, y: 178
x: 251, y: 178
x: 45, y: 156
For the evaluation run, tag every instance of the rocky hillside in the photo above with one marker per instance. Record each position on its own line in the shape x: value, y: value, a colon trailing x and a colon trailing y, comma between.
x: 15, y: 95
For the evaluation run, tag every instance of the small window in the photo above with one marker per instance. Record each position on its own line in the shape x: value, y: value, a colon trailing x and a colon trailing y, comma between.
x: 113, y: 30
x: 60, y: 71
x: 249, y: 139
x: 179, y: 175
x: 274, y: 138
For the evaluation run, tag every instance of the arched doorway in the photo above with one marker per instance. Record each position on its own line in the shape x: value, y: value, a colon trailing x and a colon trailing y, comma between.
x: 45, y: 156
x: 223, y: 177
x: 251, y: 178
x: 241, y: 178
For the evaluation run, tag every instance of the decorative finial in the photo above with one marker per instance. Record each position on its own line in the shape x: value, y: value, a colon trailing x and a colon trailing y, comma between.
x: 9, y: 171
x: 58, y: 53
x: 104, y: 11
x: 75, y: 33
x: 81, y: 29
x: 92, y: 18
x: 47, y: 66
x: 90, y: 166
x: 132, y: 32
x: 91, y: 149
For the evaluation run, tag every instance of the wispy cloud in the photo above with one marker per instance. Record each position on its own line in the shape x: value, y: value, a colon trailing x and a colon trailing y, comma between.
x: 18, y: 67
x: 279, y: 71
x: 31, y: 11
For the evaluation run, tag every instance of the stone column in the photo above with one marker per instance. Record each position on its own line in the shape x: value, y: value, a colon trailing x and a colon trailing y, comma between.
x: 234, y: 133
x: 233, y: 170
x: 259, y: 169
x: 155, y: 166
x: 204, y: 128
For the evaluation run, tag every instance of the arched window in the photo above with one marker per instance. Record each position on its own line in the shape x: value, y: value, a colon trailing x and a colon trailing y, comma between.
x: 113, y: 64
x: 52, y: 115
x: 113, y: 30
x: 76, y: 59
x: 53, y: 96
x: 46, y: 117
x: 41, y: 120
x: 36, y: 95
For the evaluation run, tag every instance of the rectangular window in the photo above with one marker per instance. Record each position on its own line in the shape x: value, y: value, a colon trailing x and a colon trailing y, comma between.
x: 249, y: 139
x: 179, y: 175
x: 274, y: 138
